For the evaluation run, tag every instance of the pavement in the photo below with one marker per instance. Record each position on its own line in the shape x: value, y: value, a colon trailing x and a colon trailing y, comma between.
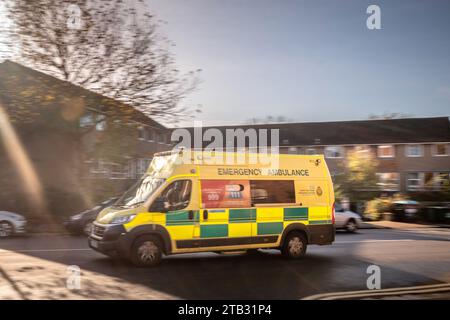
x: 38, y: 267
x: 384, y: 224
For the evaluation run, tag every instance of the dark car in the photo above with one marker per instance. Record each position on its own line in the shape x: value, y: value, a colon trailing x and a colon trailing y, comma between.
x: 81, y: 223
x: 405, y: 210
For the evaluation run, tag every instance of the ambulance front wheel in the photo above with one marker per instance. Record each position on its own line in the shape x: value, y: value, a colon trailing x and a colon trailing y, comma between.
x: 294, y: 246
x: 146, y: 251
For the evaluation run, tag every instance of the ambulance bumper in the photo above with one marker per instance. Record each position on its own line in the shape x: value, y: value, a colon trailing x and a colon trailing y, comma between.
x: 110, y: 240
x: 321, y: 234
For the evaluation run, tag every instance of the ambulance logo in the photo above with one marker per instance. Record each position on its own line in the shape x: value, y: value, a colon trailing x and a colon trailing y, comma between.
x: 319, y: 191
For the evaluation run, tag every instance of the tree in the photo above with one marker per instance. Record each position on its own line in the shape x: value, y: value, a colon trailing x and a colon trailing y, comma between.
x: 390, y: 116
x: 109, y: 47
x: 357, y: 180
x: 269, y: 119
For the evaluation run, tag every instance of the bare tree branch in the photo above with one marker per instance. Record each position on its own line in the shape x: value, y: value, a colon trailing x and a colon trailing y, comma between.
x: 108, y: 47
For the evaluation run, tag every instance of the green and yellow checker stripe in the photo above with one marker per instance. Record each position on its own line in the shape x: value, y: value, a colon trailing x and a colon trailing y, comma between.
x: 247, y: 222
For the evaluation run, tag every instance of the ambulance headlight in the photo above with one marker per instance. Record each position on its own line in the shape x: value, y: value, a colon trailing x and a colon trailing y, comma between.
x: 123, y: 219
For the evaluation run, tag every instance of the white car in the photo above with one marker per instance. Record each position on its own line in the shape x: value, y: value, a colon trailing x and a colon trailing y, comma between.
x: 346, y: 219
x: 11, y: 223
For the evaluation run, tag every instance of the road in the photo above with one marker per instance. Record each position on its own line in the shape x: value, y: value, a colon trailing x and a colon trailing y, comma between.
x: 35, y: 267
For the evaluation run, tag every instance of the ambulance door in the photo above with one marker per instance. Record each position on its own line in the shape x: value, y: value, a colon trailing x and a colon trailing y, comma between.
x: 182, y: 215
x: 226, y: 216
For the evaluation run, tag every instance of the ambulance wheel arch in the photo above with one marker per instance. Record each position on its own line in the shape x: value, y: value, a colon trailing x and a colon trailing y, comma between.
x: 150, y: 230
x: 294, y: 227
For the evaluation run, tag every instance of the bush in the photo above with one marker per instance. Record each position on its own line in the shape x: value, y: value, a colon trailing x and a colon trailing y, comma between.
x: 376, y: 207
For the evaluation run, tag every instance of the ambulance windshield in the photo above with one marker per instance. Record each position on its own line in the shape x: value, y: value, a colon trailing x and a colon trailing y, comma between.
x: 140, y: 192
x: 159, y: 170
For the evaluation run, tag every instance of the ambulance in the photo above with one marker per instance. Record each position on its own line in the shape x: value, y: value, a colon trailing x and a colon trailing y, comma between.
x: 189, y: 201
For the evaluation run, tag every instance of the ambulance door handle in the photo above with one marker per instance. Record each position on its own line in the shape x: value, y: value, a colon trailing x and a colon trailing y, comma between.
x: 191, y: 215
x: 205, y: 214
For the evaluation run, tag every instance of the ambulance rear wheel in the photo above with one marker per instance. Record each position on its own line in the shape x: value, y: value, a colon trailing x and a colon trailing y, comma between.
x: 146, y: 251
x: 294, y: 246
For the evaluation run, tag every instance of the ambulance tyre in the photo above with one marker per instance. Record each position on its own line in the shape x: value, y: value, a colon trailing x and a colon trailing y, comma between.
x: 146, y: 251
x: 294, y: 245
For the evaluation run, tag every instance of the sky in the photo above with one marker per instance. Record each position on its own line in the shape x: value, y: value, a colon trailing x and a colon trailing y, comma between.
x: 311, y: 60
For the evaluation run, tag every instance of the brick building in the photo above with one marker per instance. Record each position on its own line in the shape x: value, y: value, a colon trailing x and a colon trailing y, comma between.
x: 413, y: 154
x: 81, y: 145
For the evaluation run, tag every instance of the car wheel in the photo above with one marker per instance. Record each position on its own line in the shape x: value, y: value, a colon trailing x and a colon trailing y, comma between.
x: 146, y: 251
x: 351, y: 226
x: 87, y: 228
x: 294, y: 246
x: 6, y: 229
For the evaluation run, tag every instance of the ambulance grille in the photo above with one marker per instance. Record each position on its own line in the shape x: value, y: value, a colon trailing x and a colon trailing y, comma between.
x: 98, y: 231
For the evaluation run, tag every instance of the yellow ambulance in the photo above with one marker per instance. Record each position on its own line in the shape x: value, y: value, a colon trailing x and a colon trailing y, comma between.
x: 190, y: 201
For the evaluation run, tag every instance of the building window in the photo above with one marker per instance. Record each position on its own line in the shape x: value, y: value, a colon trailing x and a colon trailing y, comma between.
x: 161, y: 137
x: 386, y: 151
x: 388, y: 181
x: 441, y: 180
x: 334, y: 152
x: 414, y: 150
x: 90, y: 119
x: 440, y: 150
x: 86, y: 120
x: 310, y: 151
x: 98, y: 167
x: 362, y: 150
x: 142, y: 165
x: 150, y: 135
x: 100, y: 122
x: 414, y: 181
x: 141, y: 133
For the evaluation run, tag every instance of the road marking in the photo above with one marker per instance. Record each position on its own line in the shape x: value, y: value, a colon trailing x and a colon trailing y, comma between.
x: 434, y: 288
x: 44, y: 250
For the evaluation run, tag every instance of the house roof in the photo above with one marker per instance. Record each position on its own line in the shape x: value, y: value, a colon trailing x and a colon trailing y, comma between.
x: 411, y: 130
x: 25, y: 78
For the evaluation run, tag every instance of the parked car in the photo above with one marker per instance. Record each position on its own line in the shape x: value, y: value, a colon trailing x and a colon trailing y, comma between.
x: 81, y: 223
x: 437, y: 213
x: 346, y: 219
x: 11, y: 224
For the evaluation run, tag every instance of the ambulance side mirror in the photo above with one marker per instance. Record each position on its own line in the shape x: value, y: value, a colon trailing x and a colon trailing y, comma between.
x: 159, y: 205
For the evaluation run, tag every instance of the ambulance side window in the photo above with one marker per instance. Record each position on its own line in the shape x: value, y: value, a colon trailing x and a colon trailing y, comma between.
x: 178, y: 194
x: 272, y: 191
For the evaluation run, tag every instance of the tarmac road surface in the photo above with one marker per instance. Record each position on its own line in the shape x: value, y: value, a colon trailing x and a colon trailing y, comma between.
x: 36, y: 267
